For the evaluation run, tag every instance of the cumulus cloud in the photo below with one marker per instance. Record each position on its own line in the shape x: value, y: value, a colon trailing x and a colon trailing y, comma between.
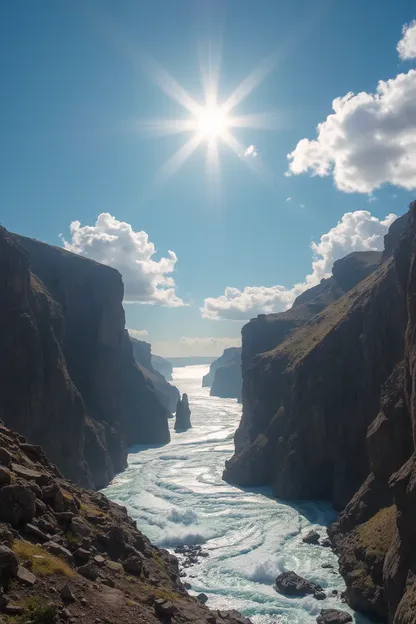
x: 138, y: 333
x: 187, y: 346
x: 288, y: 199
x: 250, y: 151
x: 357, y: 231
x: 370, y: 138
x: 116, y: 244
x: 407, y: 44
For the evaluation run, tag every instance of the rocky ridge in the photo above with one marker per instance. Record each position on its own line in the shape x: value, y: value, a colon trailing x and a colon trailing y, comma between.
x: 69, y: 381
x: 71, y: 555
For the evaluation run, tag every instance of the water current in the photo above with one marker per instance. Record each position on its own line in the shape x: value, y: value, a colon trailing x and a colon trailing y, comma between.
x: 176, y: 494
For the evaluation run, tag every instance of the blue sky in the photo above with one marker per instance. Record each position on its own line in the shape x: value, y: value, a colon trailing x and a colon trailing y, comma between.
x: 77, y: 93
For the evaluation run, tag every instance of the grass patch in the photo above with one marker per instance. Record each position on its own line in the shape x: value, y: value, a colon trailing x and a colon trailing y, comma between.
x: 376, y: 534
x: 73, y: 539
x: 37, y: 611
x: 40, y: 612
x: 42, y: 562
x: 158, y: 559
x: 92, y: 510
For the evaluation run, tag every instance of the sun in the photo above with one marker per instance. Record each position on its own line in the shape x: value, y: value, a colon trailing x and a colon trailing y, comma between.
x: 211, y: 122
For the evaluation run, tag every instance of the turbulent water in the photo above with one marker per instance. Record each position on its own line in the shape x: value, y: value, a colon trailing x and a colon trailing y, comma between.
x: 176, y: 494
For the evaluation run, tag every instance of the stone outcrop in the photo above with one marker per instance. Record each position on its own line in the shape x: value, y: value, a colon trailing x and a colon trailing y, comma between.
x: 167, y: 395
x: 183, y: 414
x: 69, y: 381
x: 69, y: 554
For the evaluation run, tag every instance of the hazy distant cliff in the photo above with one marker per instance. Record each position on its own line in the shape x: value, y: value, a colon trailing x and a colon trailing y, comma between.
x: 224, y: 375
x: 69, y: 380
x: 167, y: 395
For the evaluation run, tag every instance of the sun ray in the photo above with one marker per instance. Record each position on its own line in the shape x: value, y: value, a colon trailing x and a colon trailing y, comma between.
x: 175, y: 162
x: 260, y: 121
x: 169, y: 85
x: 249, y: 83
x: 164, y: 127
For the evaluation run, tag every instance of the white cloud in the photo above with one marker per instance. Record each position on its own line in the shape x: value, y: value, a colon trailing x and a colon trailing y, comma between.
x: 407, y: 44
x: 251, y: 151
x: 116, y: 244
x: 370, y: 138
x: 368, y: 141
x: 288, y: 199
x: 138, y: 333
x: 357, y: 231
x: 186, y: 346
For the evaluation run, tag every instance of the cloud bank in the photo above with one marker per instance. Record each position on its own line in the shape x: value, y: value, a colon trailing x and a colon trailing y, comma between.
x: 357, y: 231
x: 116, y: 244
x: 370, y: 138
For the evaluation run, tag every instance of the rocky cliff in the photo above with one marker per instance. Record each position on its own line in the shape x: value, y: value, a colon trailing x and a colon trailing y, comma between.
x: 224, y: 374
x: 71, y: 555
x: 329, y: 413
x: 68, y: 377
x: 287, y: 350
x: 228, y: 380
x: 167, y: 395
x: 163, y: 366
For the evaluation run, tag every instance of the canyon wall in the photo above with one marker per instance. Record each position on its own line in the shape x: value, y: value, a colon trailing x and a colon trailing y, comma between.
x: 329, y: 412
x: 69, y: 379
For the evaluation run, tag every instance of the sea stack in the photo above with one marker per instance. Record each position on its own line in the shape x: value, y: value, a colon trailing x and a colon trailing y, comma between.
x: 183, y: 414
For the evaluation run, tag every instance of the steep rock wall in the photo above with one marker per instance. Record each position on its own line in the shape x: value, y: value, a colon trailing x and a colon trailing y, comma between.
x: 70, y: 379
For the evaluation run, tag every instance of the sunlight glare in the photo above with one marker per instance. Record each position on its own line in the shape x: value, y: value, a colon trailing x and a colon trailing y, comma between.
x: 211, y: 122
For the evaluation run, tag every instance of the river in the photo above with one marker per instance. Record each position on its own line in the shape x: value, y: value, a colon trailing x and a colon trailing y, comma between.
x: 176, y: 494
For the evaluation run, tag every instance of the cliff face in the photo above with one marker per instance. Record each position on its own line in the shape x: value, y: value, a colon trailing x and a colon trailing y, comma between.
x: 163, y: 366
x: 330, y: 413
x: 228, y: 380
x: 167, y: 395
x: 69, y: 379
x: 224, y: 375
x: 68, y: 554
x: 264, y: 378
x: 375, y: 536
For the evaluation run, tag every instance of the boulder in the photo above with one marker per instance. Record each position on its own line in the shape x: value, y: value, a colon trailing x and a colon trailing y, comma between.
x: 88, y: 571
x: 163, y: 607
x: 36, y: 532
x: 333, y: 616
x: 25, y: 577
x: 5, y: 477
x: 291, y: 584
x: 59, y: 551
x: 79, y: 528
x: 17, y: 504
x: 202, y: 598
x: 312, y: 537
x: 8, y: 565
x: 133, y: 565
x: 67, y: 594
